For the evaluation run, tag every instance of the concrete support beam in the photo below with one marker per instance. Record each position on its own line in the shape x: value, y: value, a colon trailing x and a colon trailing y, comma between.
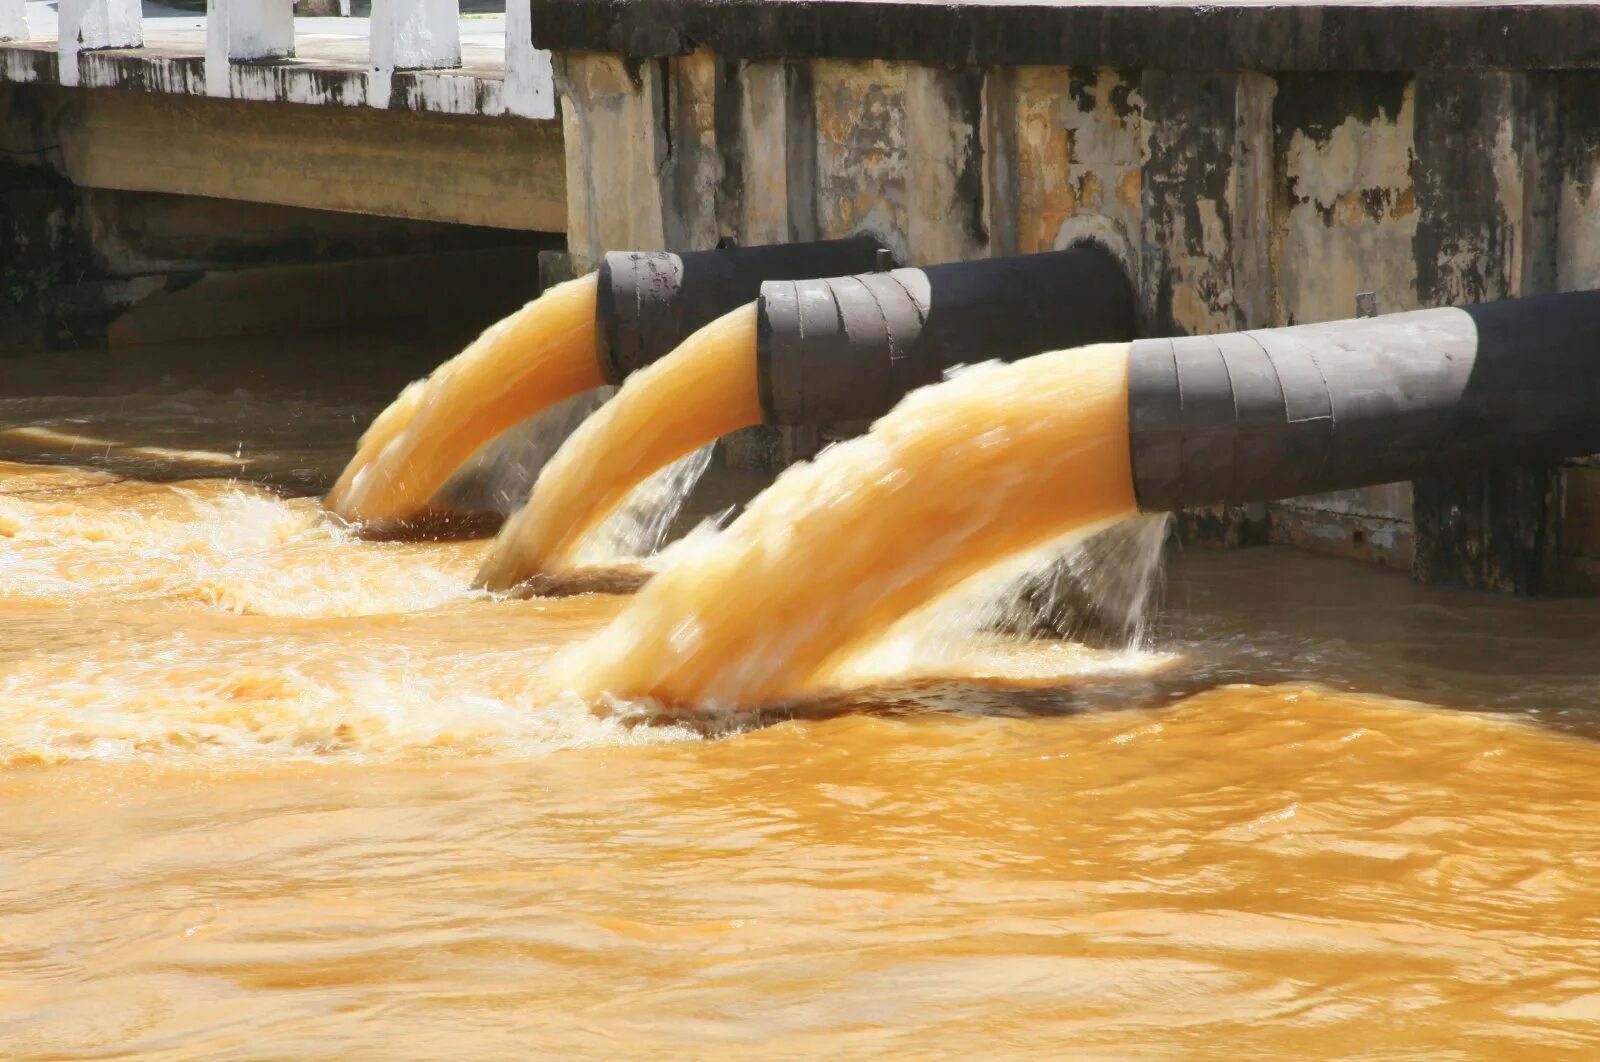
x: 13, y: 20
x: 86, y: 25
x: 1208, y: 193
x: 1578, y: 257
x: 615, y: 147
x: 944, y: 189
x: 1344, y: 221
x: 474, y: 171
x: 691, y: 167
x: 1063, y: 153
x: 242, y: 30
x: 764, y: 170
x: 411, y: 35
x: 1578, y: 228
x: 863, y: 162
x: 1206, y: 244
x: 1487, y: 186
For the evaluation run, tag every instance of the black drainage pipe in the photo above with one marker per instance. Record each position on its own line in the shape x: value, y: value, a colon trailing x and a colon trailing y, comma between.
x: 650, y: 301
x: 848, y: 348
x: 1254, y: 416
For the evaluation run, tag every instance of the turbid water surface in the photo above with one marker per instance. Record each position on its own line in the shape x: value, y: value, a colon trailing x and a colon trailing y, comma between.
x: 268, y: 790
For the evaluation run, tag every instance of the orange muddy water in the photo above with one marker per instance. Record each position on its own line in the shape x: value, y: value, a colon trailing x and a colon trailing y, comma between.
x: 271, y: 791
x: 700, y: 392
x: 538, y: 356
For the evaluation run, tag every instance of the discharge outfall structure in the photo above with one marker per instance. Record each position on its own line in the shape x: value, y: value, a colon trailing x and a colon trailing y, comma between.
x: 578, y: 336
x: 809, y: 352
x: 1275, y: 413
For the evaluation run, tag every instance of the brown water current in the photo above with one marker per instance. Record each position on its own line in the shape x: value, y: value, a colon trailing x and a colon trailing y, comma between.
x: 700, y: 392
x: 536, y: 357
x: 268, y: 790
x: 956, y: 479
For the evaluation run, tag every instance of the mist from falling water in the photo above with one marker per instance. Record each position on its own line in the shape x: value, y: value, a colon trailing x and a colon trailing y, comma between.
x: 703, y: 390
x: 1075, y: 598
x: 959, y: 477
x: 498, y: 477
x: 536, y: 357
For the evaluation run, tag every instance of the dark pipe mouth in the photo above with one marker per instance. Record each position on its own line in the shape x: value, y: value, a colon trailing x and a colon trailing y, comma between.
x: 1276, y: 413
x: 848, y: 348
x: 648, y: 302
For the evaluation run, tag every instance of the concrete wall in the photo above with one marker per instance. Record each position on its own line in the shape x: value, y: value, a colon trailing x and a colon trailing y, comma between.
x: 1239, y: 199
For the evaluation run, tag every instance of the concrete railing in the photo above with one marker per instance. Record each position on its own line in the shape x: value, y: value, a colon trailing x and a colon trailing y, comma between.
x: 242, y: 36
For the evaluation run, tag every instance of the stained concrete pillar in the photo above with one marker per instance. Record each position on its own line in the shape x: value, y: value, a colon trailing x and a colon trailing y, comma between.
x: 1063, y: 153
x: 86, y: 25
x: 1487, y: 187
x: 410, y: 35
x: 245, y: 30
x: 1577, y: 562
x: 1344, y: 222
x: 1205, y: 245
x: 13, y: 20
x: 944, y: 185
x: 615, y: 147
x: 1207, y: 191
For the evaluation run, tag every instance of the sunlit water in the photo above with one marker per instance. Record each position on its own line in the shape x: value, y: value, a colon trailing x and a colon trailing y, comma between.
x: 701, y: 391
x: 538, y: 356
x: 272, y: 791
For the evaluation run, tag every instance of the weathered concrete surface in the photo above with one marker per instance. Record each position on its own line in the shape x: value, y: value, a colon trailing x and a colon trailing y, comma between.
x: 128, y: 233
x: 1237, y: 199
x: 1578, y: 221
x: 1171, y: 34
x: 863, y: 162
x: 1066, y: 160
x: 1346, y: 215
x: 1206, y: 185
x: 1344, y: 222
x: 618, y: 143
x: 1371, y: 524
x: 1487, y: 194
x: 392, y: 163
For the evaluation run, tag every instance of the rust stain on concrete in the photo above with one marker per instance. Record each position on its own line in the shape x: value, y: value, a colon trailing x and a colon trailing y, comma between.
x: 1078, y: 134
x: 861, y: 149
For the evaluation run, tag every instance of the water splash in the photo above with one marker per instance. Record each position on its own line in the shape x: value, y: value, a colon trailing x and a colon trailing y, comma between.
x: 663, y: 413
x: 959, y: 477
x: 543, y: 353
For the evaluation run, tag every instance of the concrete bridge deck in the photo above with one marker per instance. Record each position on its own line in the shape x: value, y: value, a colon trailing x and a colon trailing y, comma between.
x: 416, y: 111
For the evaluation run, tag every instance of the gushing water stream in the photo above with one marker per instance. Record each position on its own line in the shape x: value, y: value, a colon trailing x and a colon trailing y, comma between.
x: 694, y: 396
x: 957, y: 478
x: 531, y: 360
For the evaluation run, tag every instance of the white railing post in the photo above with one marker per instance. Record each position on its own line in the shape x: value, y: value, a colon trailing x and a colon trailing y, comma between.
x: 13, y: 20
x: 88, y: 25
x: 239, y: 30
x: 411, y: 35
x: 529, y: 86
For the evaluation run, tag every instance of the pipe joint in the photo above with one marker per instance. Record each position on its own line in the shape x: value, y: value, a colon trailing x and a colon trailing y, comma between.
x: 1275, y: 413
x: 848, y: 348
x: 650, y: 301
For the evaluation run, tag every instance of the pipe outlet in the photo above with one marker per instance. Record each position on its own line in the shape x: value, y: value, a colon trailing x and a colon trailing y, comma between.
x: 850, y: 347
x: 1255, y: 416
x: 651, y: 301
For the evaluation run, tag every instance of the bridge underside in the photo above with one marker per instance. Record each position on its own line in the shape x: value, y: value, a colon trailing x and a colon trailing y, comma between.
x: 395, y: 163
